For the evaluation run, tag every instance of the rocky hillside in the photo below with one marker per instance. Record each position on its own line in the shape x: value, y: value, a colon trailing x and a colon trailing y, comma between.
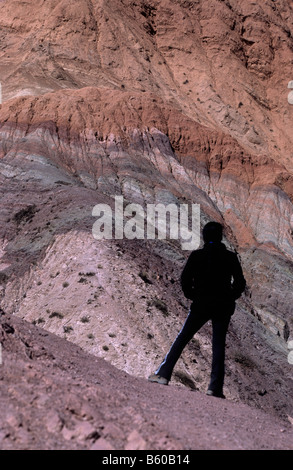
x: 56, y: 396
x: 158, y: 102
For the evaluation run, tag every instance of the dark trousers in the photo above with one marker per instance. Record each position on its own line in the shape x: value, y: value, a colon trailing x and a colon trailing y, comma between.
x: 198, y: 316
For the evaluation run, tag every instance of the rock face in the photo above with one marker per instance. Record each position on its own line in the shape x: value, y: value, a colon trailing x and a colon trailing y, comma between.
x: 226, y: 64
x: 158, y: 102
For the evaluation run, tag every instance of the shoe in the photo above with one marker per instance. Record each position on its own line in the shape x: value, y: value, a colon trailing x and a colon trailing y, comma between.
x: 211, y: 393
x: 158, y: 379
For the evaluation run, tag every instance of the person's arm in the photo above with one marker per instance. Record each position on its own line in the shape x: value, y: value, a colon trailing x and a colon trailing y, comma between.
x: 186, y: 279
x: 239, y: 282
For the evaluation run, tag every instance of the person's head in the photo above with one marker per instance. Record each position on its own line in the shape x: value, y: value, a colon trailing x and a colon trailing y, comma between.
x: 212, y: 232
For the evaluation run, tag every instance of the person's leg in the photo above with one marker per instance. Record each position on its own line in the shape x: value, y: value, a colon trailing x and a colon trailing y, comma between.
x: 193, y: 323
x: 220, y: 328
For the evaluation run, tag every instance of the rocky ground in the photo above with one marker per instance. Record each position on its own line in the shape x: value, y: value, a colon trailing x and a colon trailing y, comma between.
x: 56, y: 396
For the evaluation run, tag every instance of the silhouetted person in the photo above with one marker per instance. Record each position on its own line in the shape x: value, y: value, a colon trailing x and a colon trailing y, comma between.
x: 213, y: 279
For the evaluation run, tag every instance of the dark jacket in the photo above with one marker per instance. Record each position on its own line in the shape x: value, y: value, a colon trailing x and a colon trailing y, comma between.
x: 213, y: 274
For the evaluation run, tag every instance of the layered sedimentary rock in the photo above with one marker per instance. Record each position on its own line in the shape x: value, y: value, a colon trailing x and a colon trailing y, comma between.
x: 224, y: 63
x: 121, y: 143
